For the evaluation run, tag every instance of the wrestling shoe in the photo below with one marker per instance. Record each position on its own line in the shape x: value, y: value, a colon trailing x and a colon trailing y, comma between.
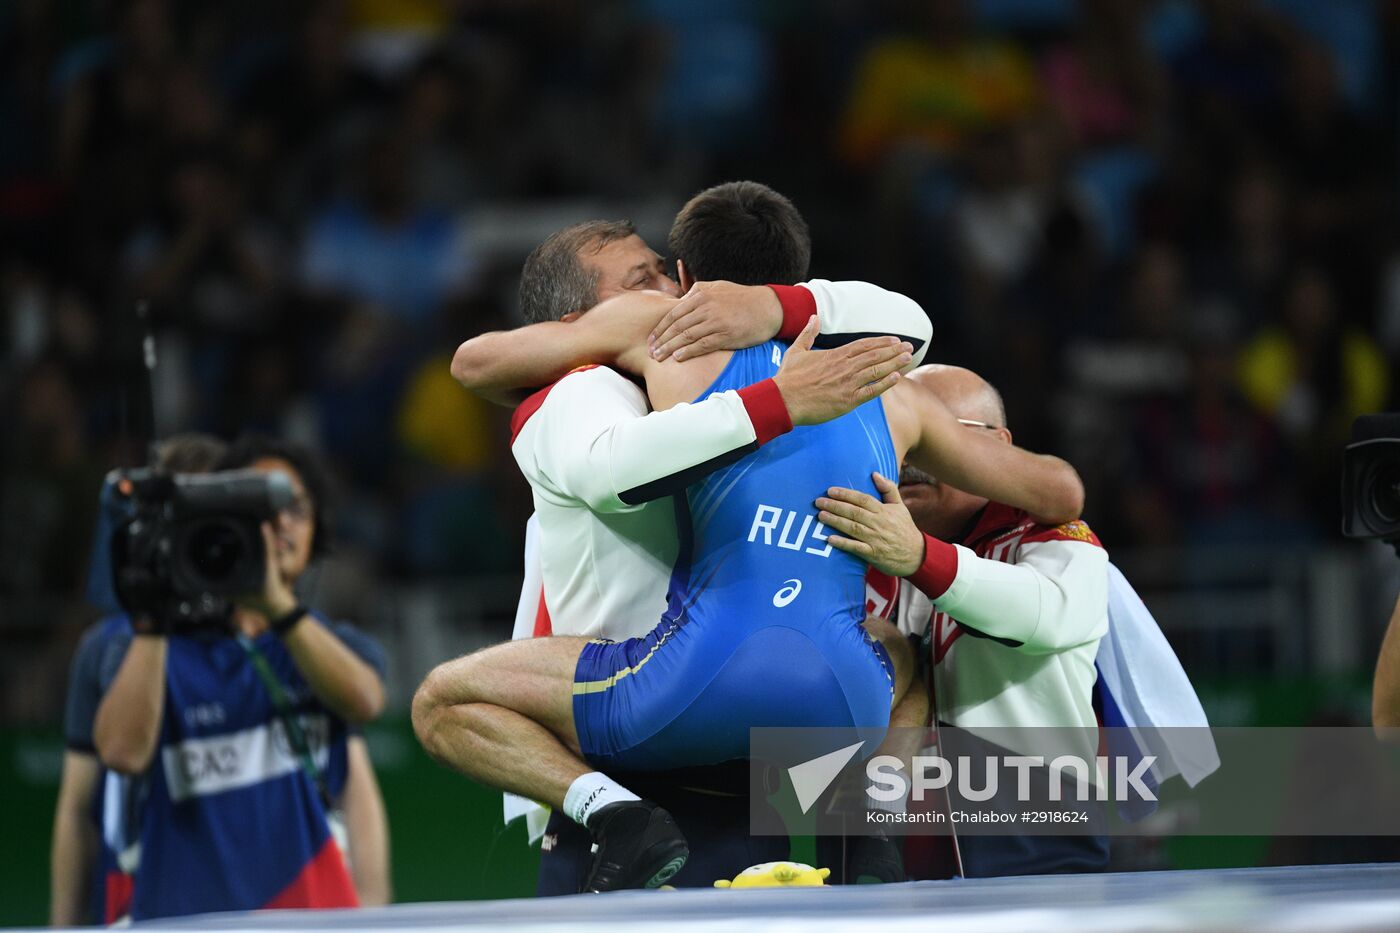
x: 876, y: 860
x: 636, y: 844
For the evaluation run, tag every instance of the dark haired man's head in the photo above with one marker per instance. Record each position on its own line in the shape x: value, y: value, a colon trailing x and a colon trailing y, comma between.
x: 302, y: 527
x: 191, y: 452
x: 743, y: 232
x: 581, y: 265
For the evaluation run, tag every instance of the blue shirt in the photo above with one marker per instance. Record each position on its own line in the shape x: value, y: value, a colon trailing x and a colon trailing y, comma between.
x: 226, y: 817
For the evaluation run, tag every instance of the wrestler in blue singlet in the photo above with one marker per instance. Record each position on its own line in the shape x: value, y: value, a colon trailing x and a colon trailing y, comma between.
x: 763, y: 626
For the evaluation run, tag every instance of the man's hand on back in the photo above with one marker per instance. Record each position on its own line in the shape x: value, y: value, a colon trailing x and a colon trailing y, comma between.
x: 818, y: 385
x: 717, y: 316
x: 880, y: 532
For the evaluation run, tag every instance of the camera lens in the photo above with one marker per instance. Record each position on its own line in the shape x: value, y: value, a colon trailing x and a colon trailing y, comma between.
x: 214, y: 549
x: 1385, y: 495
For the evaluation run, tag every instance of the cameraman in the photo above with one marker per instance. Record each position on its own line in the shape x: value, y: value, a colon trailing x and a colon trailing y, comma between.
x: 77, y: 868
x: 250, y: 722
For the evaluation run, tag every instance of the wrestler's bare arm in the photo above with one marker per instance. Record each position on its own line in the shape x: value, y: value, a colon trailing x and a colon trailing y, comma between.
x: 929, y: 437
x: 499, y: 365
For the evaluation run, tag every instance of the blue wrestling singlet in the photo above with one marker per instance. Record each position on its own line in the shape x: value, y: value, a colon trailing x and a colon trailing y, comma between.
x: 763, y: 626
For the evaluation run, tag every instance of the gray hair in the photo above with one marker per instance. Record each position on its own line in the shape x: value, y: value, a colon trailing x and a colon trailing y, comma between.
x: 555, y: 281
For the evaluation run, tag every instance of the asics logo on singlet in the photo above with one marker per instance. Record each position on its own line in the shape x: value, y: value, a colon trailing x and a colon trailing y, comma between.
x: 788, y: 593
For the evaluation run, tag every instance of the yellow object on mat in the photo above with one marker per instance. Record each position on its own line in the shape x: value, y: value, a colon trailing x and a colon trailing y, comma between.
x: 777, y: 875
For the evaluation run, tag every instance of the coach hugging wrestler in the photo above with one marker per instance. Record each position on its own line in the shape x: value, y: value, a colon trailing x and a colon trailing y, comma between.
x: 752, y: 509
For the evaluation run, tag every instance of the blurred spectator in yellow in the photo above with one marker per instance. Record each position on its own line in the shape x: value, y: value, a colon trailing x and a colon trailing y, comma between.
x: 391, y: 36
x: 453, y: 521
x: 442, y: 425
x: 1312, y: 375
x: 935, y: 86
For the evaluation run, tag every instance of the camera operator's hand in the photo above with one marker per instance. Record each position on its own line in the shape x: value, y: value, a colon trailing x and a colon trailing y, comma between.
x: 337, y: 676
x: 276, y: 598
x: 144, y: 597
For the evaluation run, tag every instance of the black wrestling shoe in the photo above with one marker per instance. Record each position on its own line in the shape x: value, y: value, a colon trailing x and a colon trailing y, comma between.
x: 876, y: 860
x: 636, y: 844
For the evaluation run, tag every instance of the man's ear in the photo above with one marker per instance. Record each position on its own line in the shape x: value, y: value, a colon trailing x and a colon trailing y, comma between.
x: 1005, y: 434
x: 683, y: 277
x: 571, y: 317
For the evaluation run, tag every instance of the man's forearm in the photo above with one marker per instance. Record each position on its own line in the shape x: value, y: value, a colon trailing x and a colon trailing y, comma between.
x: 338, y: 676
x: 497, y: 366
x: 1054, y: 597
x: 1004, y: 600
x: 367, y: 828
x: 1385, y: 692
x: 663, y: 453
x: 127, y: 728
x: 1046, y: 487
x: 70, y: 864
x: 540, y: 354
x: 593, y: 440
x: 74, y: 849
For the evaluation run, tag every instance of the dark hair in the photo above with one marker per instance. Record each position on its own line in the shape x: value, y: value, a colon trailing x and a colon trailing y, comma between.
x: 554, y: 281
x: 743, y: 232
x: 191, y: 452
x: 250, y: 448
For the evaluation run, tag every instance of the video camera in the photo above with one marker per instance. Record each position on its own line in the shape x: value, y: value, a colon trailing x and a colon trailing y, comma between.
x: 1371, y: 479
x: 192, y: 540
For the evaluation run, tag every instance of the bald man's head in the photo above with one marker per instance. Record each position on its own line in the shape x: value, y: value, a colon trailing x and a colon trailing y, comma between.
x: 966, y: 394
x: 937, y: 508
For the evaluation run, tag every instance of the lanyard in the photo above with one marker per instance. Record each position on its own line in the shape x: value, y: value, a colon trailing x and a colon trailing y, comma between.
x: 295, y: 734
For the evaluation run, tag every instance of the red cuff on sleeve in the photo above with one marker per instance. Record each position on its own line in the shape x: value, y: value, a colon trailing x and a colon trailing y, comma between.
x: 938, y: 570
x: 799, y: 304
x: 767, y: 410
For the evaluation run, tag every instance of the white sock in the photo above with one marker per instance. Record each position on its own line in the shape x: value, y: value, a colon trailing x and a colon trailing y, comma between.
x: 590, y: 793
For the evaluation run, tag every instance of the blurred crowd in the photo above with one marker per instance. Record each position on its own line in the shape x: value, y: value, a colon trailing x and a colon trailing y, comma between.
x: 1166, y: 230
